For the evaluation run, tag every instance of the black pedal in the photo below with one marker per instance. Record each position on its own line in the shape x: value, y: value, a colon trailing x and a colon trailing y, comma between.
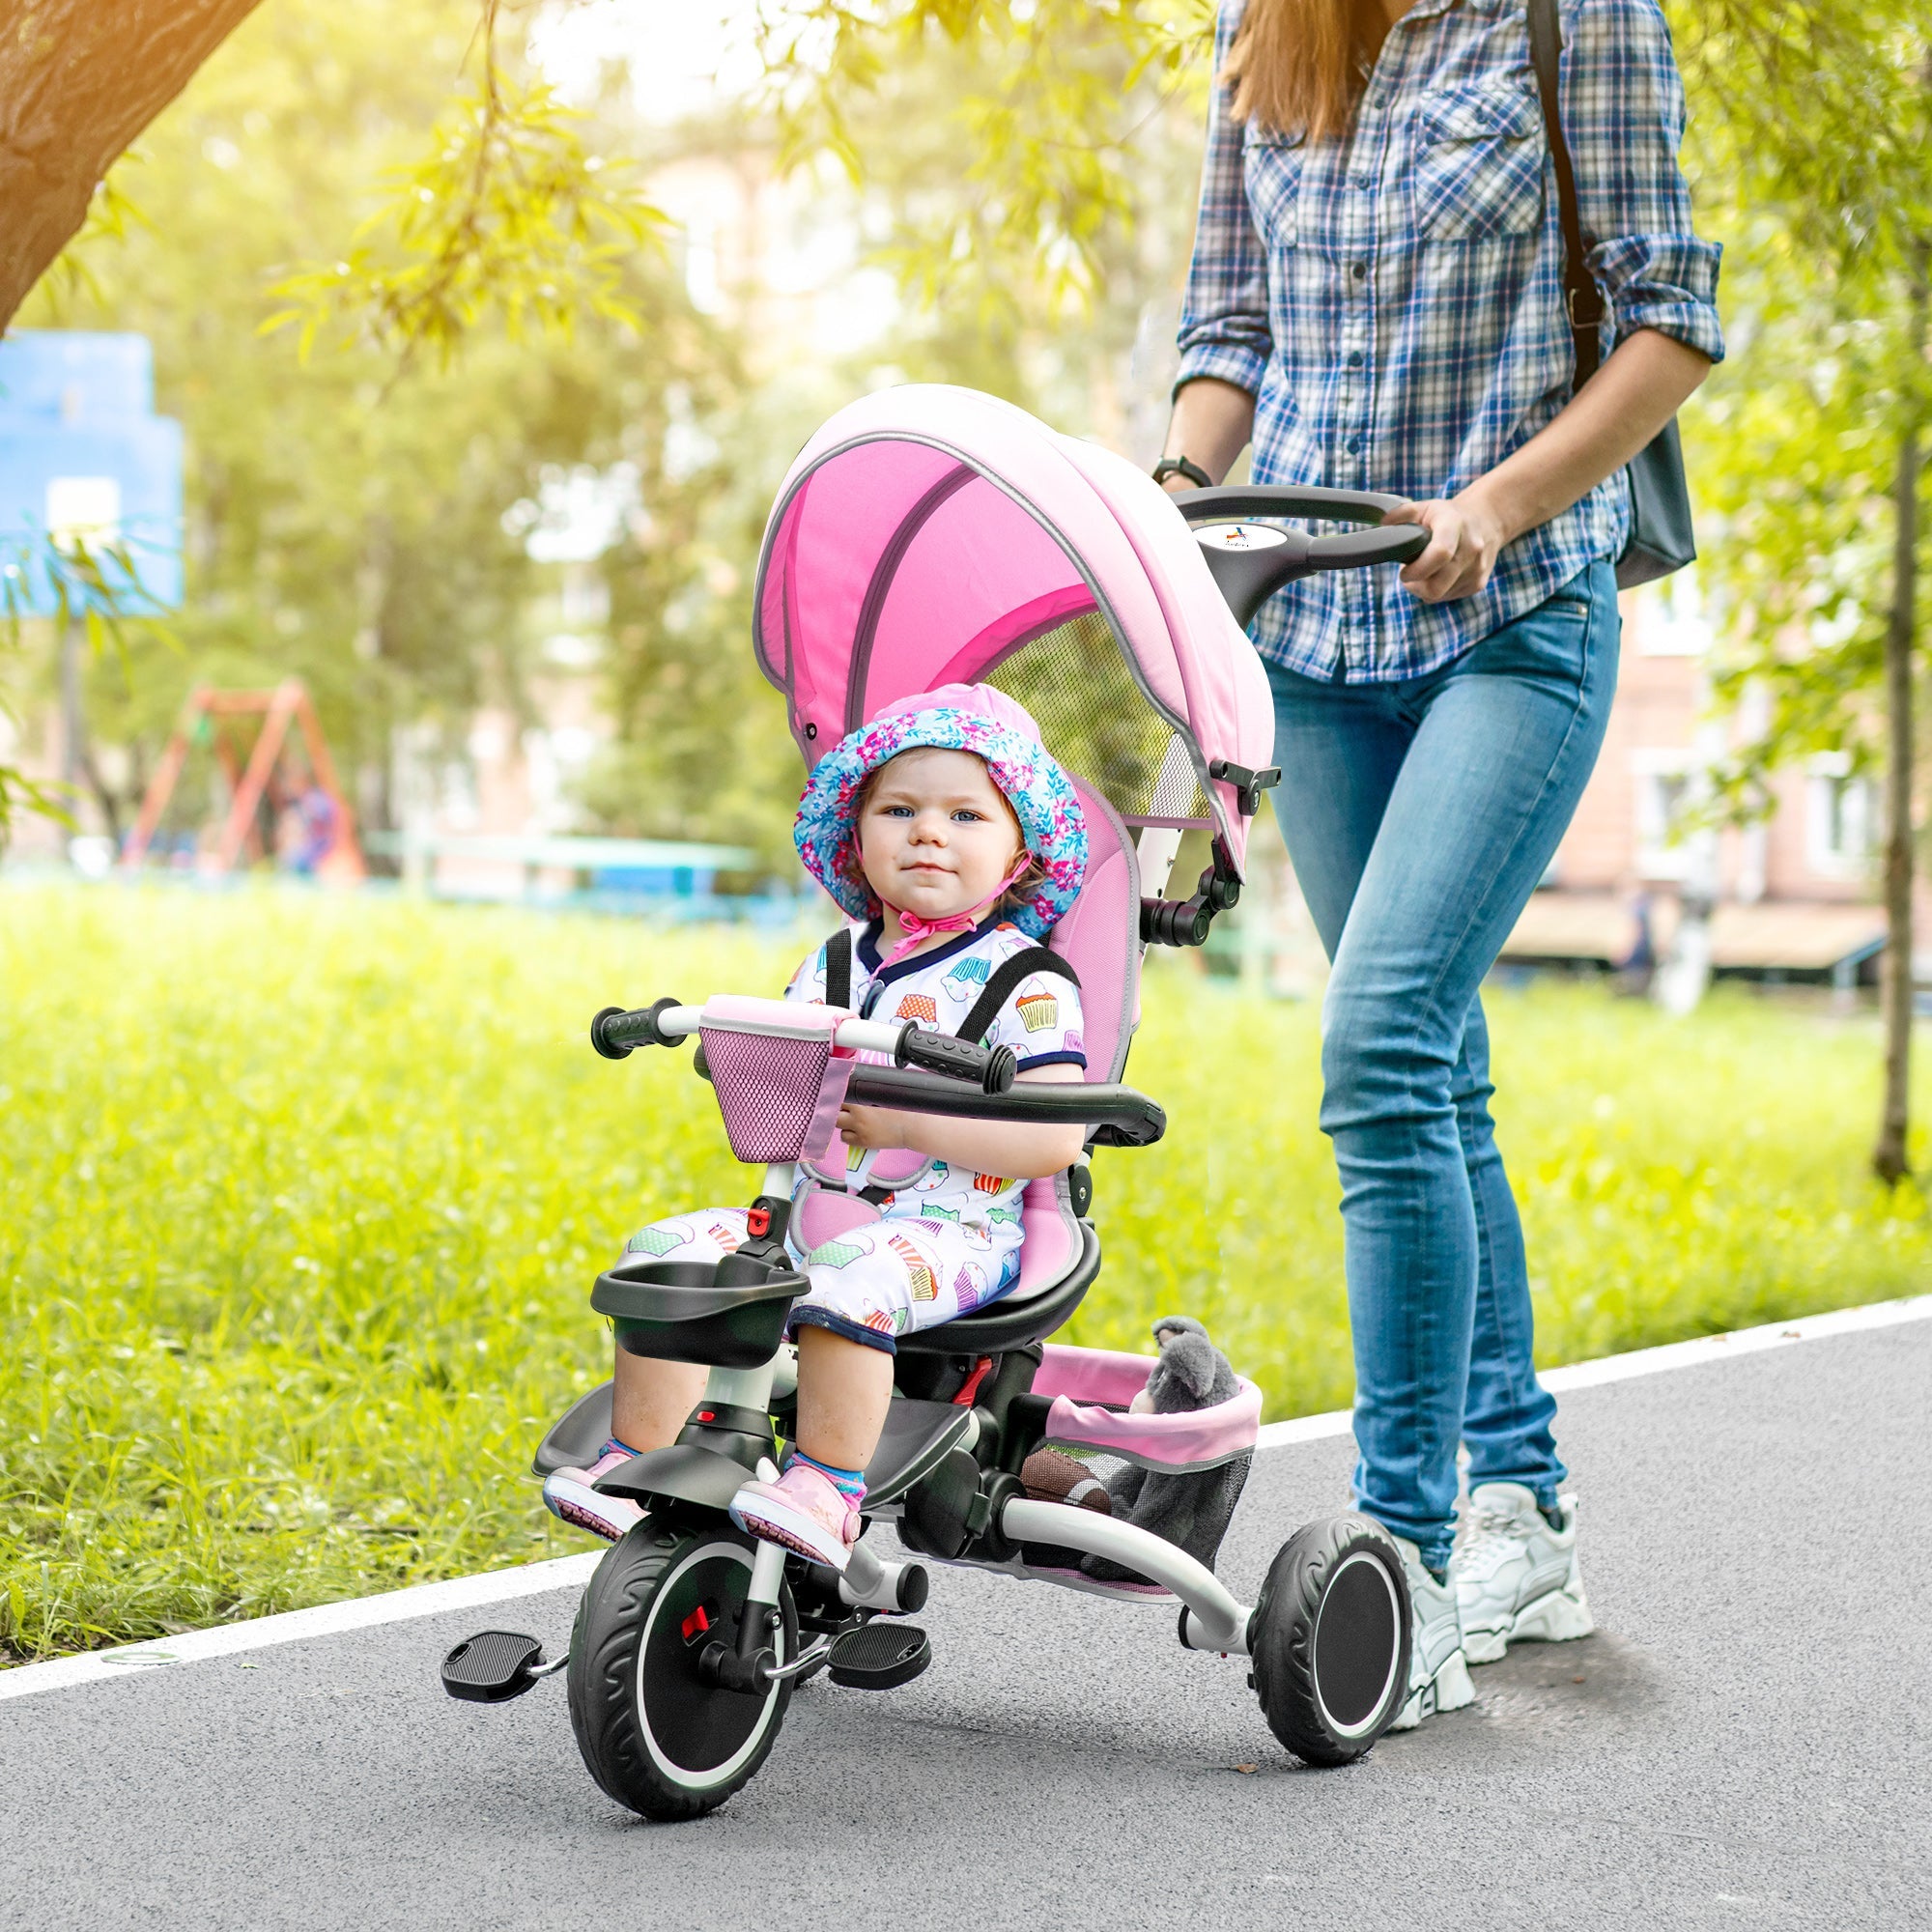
x: 492, y: 1668
x: 879, y: 1656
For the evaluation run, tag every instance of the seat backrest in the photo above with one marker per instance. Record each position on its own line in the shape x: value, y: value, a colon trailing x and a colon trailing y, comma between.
x: 1100, y: 939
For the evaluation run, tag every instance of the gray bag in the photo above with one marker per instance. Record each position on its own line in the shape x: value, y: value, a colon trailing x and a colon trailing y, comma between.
x: 1661, y: 537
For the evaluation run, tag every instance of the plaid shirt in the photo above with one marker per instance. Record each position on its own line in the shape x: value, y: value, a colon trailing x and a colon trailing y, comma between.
x: 1393, y: 298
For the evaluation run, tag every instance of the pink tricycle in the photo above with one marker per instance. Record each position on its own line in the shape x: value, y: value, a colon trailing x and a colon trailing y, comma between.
x: 930, y: 535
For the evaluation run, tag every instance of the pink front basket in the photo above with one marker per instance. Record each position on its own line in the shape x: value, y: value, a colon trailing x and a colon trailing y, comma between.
x: 779, y: 1079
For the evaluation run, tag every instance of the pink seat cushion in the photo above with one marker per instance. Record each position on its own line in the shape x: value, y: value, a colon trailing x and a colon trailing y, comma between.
x: 1100, y: 939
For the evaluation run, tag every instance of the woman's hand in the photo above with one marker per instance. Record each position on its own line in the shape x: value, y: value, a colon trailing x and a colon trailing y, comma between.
x: 1465, y: 537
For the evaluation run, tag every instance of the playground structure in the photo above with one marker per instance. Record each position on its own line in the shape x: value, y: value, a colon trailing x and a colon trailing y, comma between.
x: 285, y: 769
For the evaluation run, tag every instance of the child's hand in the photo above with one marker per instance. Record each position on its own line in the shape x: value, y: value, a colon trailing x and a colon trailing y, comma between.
x: 875, y: 1127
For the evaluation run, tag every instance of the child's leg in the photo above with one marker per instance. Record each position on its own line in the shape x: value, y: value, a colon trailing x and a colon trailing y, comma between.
x: 653, y: 1399
x: 650, y: 1400
x: 871, y: 1284
x: 845, y: 1390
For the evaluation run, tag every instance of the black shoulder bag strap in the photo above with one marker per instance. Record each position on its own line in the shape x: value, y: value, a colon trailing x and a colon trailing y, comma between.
x: 1583, y: 300
x: 1660, y: 536
x: 1004, y: 982
x: 838, y: 968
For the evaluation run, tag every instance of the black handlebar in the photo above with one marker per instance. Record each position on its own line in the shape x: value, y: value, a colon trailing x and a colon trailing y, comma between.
x: 1119, y: 1116
x: 939, y: 1074
x: 616, y: 1034
x: 1248, y: 576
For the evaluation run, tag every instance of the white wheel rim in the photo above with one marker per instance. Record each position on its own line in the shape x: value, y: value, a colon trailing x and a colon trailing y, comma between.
x: 718, y: 1773
x: 1365, y: 1725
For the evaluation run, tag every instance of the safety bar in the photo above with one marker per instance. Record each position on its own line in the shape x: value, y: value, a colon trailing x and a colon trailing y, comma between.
x: 1117, y: 1115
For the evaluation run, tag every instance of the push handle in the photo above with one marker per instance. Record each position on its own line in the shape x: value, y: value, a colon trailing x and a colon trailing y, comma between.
x: 989, y: 1069
x: 1229, y: 501
x: 1353, y: 549
x: 1249, y: 561
x: 616, y: 1034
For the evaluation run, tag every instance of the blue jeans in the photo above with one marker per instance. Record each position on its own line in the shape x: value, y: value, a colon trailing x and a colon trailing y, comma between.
x: 1419, y: 816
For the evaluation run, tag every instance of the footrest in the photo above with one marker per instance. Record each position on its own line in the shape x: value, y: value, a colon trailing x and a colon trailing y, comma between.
x: 879, y: 1656
x: 492, y: 1666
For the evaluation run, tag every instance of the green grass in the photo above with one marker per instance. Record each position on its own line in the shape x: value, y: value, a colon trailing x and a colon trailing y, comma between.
x: 304, y: 1197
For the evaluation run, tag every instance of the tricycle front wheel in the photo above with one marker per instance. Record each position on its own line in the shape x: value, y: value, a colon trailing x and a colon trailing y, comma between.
x: 656, y: 1734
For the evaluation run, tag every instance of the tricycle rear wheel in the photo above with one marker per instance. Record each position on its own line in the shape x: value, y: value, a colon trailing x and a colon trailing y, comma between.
x: 655, y: 1733
x: 1330, y: 1639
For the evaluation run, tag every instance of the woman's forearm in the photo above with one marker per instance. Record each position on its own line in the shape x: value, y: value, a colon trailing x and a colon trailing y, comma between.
x: 1210, y: 425
x: 1604, y: 425
x: 1613, y: 416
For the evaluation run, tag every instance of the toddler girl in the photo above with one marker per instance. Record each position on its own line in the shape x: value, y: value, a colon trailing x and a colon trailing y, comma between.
x: 955, y: 841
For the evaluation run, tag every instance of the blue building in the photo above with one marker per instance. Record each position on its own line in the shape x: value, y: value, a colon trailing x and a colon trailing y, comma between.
x: 83, y: 454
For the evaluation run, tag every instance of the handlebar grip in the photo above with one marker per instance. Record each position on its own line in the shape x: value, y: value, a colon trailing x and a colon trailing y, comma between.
x: 615, y: 1032
x: 1353, y: 549
x: 989, y: 1069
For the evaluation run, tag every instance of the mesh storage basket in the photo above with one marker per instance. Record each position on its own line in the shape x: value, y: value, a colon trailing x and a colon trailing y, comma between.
x: 779, y: 1093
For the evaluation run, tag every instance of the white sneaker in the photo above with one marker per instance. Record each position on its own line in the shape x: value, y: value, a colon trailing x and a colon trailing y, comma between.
x: 1515, y: 1578
x: 1439, y: 1673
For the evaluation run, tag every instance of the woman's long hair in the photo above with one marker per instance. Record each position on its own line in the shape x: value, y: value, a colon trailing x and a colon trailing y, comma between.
x: 1298, y: 67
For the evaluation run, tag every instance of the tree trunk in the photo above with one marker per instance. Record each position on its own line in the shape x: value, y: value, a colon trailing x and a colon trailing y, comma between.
x: 1890, y: 1157
x: 78, y: 81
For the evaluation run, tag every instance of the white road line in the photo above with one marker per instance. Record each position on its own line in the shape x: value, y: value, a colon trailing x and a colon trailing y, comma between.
x: 425, y: 1600
x: 503, y: 1586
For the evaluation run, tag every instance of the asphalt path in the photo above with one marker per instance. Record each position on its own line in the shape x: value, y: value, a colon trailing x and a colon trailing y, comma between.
x: 1745, y: 1744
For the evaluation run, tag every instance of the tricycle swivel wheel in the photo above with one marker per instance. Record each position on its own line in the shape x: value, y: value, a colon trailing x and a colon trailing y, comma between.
x: 655, y: 1730
x: 1330, y: 1639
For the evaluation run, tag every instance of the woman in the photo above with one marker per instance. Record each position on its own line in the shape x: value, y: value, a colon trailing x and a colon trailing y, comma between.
x: 1376, y: 302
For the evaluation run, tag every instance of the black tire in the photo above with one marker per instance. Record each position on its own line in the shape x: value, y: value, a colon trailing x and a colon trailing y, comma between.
x: 653, y: 1733
x: 1330, y: 1639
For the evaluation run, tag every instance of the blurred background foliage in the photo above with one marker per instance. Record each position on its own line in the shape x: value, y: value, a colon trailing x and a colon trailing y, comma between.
x: 462, y: 232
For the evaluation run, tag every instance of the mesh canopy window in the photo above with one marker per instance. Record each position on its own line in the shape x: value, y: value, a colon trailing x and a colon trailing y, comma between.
x: 1096, y: 721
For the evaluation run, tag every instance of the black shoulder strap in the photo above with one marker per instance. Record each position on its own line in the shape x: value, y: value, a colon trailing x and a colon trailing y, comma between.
x: 1583, y: 300
x: 999, y: 988
x: 838, y: 968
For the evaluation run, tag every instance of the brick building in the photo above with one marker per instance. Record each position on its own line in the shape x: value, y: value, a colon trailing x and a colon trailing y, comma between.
x: 1794, y: 895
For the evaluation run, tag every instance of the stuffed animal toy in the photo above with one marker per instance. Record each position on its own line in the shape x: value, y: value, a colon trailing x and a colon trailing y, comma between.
x: 1190, y: 1511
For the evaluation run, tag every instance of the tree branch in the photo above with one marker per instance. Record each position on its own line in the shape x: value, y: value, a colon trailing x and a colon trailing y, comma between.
x: 78, y: 81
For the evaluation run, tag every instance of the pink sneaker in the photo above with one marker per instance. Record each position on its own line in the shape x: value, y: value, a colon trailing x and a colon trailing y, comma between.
x: 568, y: 1494
x: 802, y: 1512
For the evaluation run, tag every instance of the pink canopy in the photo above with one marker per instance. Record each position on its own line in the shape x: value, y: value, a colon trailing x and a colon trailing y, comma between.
x: 931, y: 535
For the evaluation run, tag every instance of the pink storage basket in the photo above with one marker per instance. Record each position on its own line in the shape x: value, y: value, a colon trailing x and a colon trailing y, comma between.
x: 778, y: 1077
x: 1090, y: 1389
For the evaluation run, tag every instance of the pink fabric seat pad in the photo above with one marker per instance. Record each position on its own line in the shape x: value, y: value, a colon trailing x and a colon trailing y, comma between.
x: 1090, y: 1389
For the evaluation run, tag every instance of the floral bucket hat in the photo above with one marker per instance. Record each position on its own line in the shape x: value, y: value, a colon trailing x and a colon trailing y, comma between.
x: 956, y: 718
